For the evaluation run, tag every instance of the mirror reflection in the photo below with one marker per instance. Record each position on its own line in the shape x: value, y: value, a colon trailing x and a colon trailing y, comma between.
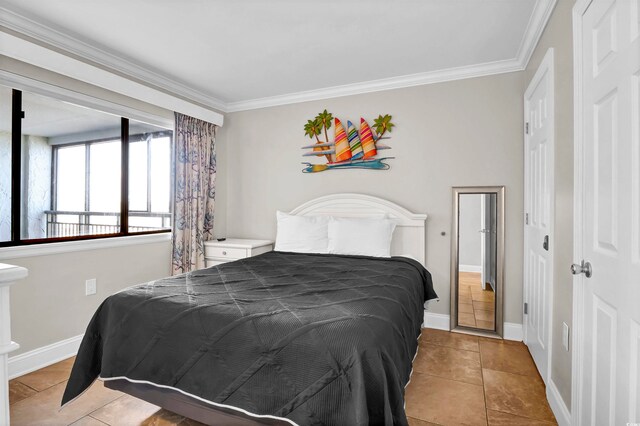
x: 477, y: 260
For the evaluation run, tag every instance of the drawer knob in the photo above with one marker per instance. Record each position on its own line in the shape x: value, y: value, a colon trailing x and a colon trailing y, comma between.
x: 224, y: 253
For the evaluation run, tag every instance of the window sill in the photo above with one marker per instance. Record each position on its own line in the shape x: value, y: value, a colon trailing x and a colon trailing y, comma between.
x: 83, y: 245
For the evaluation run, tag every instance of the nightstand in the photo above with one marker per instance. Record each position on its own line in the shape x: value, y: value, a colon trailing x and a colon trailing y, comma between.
x: 217, y: 252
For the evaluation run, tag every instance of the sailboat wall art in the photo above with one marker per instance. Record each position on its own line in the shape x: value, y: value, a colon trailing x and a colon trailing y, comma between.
x: 351, y: 148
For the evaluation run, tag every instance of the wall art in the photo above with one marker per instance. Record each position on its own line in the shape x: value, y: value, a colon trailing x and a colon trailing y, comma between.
x: 351, y: 148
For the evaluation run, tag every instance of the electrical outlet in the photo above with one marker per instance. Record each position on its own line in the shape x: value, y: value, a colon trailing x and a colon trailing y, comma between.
x: 565, y: 336
x: 90, y: 287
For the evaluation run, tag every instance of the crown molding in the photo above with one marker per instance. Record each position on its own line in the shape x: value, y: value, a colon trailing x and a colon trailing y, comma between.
x: 57, y: 40
x: 537, y: 23
x: 418, y: 79
x: 111, y: 61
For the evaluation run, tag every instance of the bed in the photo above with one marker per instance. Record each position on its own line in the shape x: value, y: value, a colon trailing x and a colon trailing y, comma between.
x: 280, y: 338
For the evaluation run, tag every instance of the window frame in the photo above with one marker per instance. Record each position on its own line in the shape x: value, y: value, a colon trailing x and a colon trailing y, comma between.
x: 16, y: 240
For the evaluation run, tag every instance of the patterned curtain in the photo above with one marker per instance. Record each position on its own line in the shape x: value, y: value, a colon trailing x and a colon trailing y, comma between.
x: 195, y: 192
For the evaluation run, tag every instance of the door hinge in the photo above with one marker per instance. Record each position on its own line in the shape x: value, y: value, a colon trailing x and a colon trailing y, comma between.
x: 526, y: 128
x: 526, y: 308
x: 526, y: 218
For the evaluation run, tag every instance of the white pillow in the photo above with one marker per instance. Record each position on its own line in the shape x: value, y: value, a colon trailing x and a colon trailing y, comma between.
x: 302, y: 234
x: 366, y: 237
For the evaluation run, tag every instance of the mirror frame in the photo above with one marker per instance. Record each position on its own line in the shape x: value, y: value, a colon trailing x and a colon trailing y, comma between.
x: 500, y: 210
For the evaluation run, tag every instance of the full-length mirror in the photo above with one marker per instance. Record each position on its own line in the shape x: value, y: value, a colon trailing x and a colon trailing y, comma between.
x: 477, y: 255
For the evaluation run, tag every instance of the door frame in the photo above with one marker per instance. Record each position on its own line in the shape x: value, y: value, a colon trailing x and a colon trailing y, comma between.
x: 579, y: 9
x: 547, y: 66
x: 483, y: 238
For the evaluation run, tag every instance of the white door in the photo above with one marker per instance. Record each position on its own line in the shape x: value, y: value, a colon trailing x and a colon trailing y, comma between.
x: 538, y: 251
x: 607, y: 214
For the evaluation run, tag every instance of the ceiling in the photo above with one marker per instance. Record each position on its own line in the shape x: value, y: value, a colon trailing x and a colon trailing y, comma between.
x: 246, y: 53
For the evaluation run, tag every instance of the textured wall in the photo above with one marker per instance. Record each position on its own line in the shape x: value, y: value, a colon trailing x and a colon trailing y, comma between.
x: 461, y: 133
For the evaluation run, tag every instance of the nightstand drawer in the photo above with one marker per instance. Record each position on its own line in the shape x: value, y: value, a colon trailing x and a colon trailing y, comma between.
x: 208, y: 263
x: 217, y: 252
x: 225, y: 252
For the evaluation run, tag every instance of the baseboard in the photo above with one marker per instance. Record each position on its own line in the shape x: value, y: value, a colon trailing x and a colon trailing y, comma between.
x: 469, y: 268
x: 559, y: 408
x: 437, y: 321
x: 512, y: 331
x: 44, y: 356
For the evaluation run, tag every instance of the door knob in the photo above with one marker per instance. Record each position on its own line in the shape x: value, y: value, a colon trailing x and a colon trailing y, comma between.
x: 583, y: 268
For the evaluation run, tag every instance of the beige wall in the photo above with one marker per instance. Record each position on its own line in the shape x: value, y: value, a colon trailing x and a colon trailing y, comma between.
x: 50, y: 304
x: 466, y: 132
x: 558, y: 34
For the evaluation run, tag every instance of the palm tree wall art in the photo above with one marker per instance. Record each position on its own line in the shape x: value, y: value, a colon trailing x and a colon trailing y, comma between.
x: 350, y: 148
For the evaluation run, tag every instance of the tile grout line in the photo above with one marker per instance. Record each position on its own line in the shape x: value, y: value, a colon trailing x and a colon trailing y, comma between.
x: 89, y: 415
x: 453, y: 380
x: 49, y: 387
x: 518, y: 374
x: 484, y: 388
x: 107, y: 403
x: 27, y: 397
x: 449, y: 378
x: 17, y: 379
x: 467, y: 335
x: 458, y: 349
x: 24, y: 384
x: 415, y: 418
x: 506, y: 412
x: 522, y: 416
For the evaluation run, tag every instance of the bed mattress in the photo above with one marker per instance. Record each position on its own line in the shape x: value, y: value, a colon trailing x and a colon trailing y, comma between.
x: 314, y: 339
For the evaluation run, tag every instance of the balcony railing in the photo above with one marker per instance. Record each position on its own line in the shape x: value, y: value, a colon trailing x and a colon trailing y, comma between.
x: 76, y: 223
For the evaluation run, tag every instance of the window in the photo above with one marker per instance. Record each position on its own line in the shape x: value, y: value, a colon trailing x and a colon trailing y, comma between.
x: 149, y: 177
x: 5, y: 164
x: 71, y: 177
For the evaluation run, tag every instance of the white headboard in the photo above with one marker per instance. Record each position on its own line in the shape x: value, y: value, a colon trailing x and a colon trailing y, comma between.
x: 409, y: 236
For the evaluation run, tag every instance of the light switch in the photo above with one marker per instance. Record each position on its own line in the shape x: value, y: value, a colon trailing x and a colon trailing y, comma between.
x: 90, y: 287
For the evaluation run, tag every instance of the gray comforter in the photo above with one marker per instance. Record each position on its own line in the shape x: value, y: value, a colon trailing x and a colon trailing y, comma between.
x: 317, y: 339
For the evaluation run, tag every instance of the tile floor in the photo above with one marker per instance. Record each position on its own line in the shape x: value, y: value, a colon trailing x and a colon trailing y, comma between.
x: 457, y: 379
x: 467, y: 380
x: 476, y: 307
